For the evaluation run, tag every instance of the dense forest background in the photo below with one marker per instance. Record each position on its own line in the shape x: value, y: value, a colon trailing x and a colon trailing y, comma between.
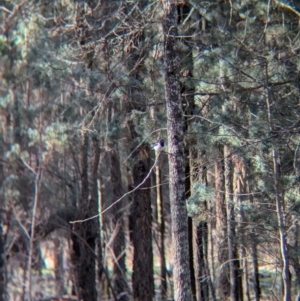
x: 88, y: 211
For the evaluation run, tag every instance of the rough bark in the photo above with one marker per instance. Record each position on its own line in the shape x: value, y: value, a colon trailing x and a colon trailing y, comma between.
x: 175, y: 130
x: 187, y: 90
x: 141, y: 222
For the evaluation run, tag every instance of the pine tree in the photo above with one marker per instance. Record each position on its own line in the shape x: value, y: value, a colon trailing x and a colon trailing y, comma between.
x: 175, y: 129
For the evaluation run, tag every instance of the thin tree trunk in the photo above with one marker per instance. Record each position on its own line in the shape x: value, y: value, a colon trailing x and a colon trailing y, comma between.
x: 175, y: 129
x: 161, y: 225
x: 279, y: 203
x: 197, y: 229
x: 239, y: 188
x: 2, y: 264
x: 96, y: 198
x: 223, y: 283
x: 201, y: 266
x: 254, y: 259
x: 282, y: 233
x: 234, y: 290
x: 197, y: 233
x: 192, y: 238
x: 201, y: 232
x: 37, y: 183
x: 253, y: 250
x: 294, y: 236
x: 58, y: 269
x: 119, y: 243
x: 293, y: 242
x: 208, y: 273
x: 3, y: 208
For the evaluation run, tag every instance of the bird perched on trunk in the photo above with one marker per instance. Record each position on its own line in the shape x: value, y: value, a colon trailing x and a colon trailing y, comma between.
x: 159, y: 145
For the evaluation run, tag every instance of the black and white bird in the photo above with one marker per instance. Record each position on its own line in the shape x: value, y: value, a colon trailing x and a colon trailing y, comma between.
x: 159, y: 145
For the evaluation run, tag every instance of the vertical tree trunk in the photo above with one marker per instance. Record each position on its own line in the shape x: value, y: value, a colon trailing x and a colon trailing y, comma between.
x: 239, y: 189
x: 201, y: 266
x: 294, y: 231
x: 2, y: 220
x: 198, y: 255
x: 161, y: 225
x: 223, y: 283
x: 59, y: 269
x: 293, y: 242
x: 254, y: 259
x: 187, y: 89
x: 141, y: 218
x: 201, y: 232
x: 37, y: 186
x: 197, y: 228
x: 253, y: 249
x: 278, y: 201
x: 234, y: 289
x: 119, y: 243
x: 192, y: 239
x: 2, y: 263
x: 282, y: 232
x: 84, y: 241
x: 175, y: 129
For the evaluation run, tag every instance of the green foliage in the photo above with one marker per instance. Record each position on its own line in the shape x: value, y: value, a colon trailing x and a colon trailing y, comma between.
x: 56, y: 137
x: 196, y: 203
x: 13, y: 153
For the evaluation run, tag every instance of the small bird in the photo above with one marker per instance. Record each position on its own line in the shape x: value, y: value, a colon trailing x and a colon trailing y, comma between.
x: 159, y: 145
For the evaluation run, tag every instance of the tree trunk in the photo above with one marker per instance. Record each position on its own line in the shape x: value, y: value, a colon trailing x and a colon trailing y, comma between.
x: 119, y: 243
x: 294, y: 232
x: 141, y: 219
x: 161, y: 226
x: 187, y: 90
x: 233, y: 271
x: 85, y: 234
x: 282, y: 233
x: 278, y: 201
x: 239, y: 189
x: 194, y: 175
x: 223, y: 283
x: 201, y: 266
x: 2, y: 264
x: 175, y: 129
x: 254, y: 259
x: 2, y: 221
x: 59, y: 269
